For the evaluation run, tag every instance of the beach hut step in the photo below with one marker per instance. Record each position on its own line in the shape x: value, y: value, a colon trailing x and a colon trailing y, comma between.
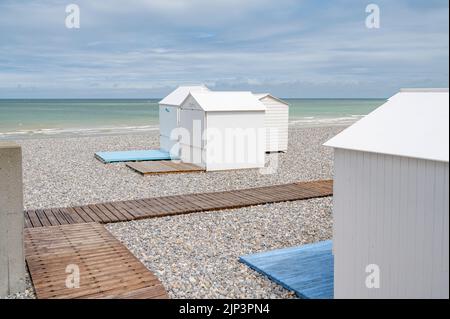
x: 307, y: 270
x: 132, y: 156
x: 164, y: 167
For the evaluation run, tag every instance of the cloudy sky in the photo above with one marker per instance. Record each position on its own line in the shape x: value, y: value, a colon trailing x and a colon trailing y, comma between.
x: 292, y: 48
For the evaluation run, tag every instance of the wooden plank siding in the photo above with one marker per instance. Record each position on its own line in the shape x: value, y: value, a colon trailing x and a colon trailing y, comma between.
x: 178, y: 204
x: 276, y: 118
x: 106, y: 268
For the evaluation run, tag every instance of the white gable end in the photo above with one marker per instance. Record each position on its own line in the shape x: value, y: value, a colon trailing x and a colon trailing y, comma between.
x: 268, y: 97
x: 190, y: 104
x: 177, y: 96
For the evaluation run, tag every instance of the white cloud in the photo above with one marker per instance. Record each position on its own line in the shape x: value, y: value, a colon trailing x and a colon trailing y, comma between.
x: 279, y: 45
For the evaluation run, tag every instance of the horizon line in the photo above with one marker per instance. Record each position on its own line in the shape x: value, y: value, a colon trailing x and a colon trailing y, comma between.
x: 160, y: 98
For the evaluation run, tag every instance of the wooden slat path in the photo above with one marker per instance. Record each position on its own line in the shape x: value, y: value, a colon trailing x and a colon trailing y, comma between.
x: 164, y: 167
x: 107, y: 268
x: 178, y: 204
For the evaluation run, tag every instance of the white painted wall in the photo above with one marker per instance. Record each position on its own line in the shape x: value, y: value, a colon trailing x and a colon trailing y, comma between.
x: 276, y: 120
x: 194, y: 155
x: 166, y: 144
x: 168, y: 120
x: 192, y: 148
x: 394, y: 212
x: 227, y: 152
x: 211, y: 143
x: 194, y: 123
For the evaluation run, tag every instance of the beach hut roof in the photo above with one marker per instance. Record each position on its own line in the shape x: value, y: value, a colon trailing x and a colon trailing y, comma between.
x: 227, y: 101
x: 177, y: 96
x: 261, y: 96
x: 412, y: 123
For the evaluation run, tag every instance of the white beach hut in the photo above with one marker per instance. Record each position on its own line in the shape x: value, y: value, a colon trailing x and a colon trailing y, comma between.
x: 169, y: 113
x: 391, y: 200
x: 276, y: 122
x: 225, y: 130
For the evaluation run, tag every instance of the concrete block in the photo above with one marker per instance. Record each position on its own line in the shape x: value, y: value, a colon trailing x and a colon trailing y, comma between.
x: 12, y: 261
x: 16, y: 255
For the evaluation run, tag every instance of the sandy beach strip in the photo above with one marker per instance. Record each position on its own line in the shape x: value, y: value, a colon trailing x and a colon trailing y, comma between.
x: 194, y: 255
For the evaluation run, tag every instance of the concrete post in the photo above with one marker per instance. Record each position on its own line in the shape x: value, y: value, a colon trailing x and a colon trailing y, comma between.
x: 12, y: 260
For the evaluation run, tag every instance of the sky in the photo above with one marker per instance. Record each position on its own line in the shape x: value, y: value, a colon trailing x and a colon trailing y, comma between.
x: 290, y: 48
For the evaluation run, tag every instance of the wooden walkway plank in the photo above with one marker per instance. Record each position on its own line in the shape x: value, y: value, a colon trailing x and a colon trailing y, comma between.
x: 42, y: 218
x: 71, y: 218
x: 109, y: 275
x: 158, y: 206
x: 143, y: 208
x: 130, y: 208
x: 168, y: 205
x: 137, y: 290
x: 144, y: 293
x: 246, y: 197
x: 27, y: 221
x: 107, y: 268
x: 189, y: 203
x: 153, y: 207
x: 85, y: 216
x: 122, y: 211
x: 205, y: 201
x: 77, y: 218
x: 92, y: 214
x: 163, y: 167
x: 115, y: 288
x: 115, y: 215
x: 59, y: 217
x: 34, y: 219
x: 120, y: 207
x: 50, y: 263
x: 105, y: 215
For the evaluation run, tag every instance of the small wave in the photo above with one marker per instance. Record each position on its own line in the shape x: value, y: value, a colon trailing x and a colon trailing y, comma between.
x: 42, y: 132
x: 357, y: 115
x: 312, y: 121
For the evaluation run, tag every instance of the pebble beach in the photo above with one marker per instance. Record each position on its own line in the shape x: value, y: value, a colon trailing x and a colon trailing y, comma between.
x: 194, y: 255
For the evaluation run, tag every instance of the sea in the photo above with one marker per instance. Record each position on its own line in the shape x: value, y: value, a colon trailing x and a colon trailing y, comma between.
x: 38, y: 118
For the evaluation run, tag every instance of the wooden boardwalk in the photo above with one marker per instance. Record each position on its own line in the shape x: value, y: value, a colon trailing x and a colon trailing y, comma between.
x: 107, y: 269
x: 178, y: 204
x: 164, y: 167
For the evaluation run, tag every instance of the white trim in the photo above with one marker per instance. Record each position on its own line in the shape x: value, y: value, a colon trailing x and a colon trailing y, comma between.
x: 261, y: 96
x: 425, y: 90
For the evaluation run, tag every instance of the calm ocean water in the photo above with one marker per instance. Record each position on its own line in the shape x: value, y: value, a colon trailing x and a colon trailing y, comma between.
x: 40, y: 118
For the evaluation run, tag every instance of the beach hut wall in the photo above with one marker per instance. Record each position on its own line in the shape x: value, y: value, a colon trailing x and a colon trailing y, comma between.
x: 391, y: 200
x: 276, y: 122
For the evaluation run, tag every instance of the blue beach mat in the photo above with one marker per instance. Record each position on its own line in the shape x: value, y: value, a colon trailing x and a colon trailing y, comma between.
x: 307, y: 270
x: 131, y: 156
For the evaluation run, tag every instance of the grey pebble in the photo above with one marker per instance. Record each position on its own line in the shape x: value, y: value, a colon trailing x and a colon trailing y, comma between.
x: 194, y: 255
